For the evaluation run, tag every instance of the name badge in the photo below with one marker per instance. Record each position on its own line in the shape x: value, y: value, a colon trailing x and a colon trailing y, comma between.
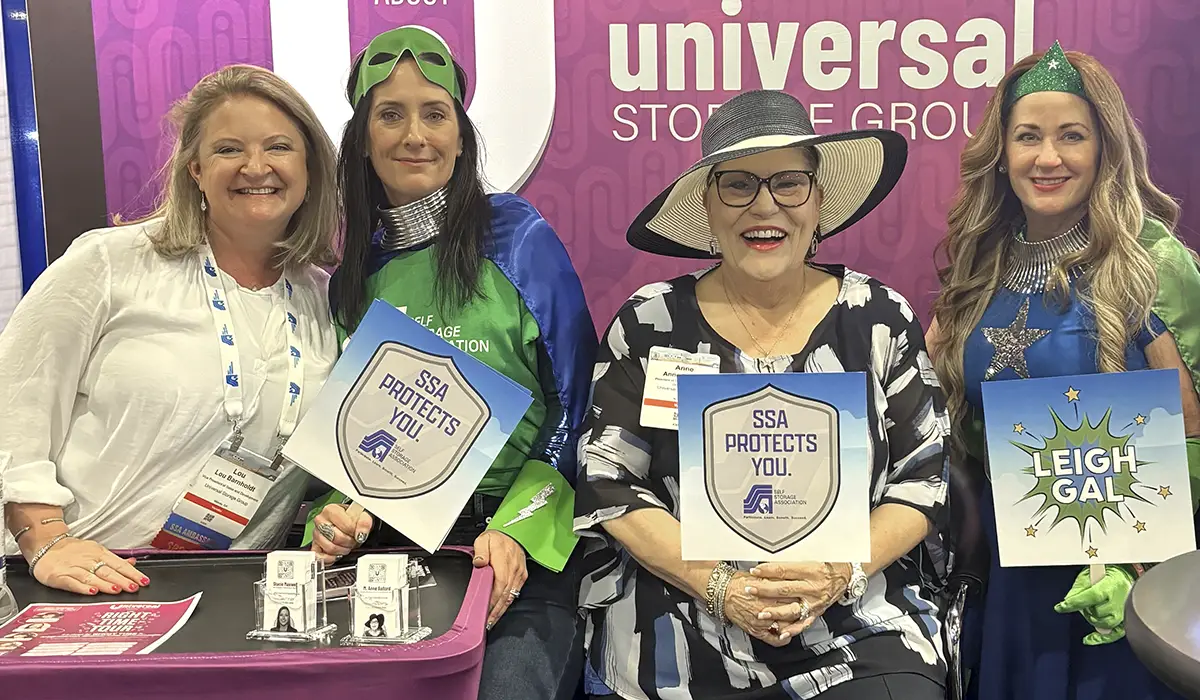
x: 660, y: 398
x: 220, y: 501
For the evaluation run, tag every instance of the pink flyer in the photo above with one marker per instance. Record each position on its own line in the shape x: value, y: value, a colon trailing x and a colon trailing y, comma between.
x: 93, y: 629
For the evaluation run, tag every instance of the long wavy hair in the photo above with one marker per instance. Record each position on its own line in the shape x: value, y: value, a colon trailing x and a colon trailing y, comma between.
x: 460, y: 247
x: 1118, y: 283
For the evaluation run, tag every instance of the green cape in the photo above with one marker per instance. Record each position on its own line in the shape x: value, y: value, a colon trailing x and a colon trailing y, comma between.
x: 1178, y: 282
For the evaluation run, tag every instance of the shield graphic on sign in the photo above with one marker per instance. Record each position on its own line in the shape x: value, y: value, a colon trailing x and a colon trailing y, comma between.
x: 407, y: 422
x: 771, y: 465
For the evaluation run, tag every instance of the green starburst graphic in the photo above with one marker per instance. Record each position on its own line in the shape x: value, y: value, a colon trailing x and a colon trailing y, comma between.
x: 1086, y: 436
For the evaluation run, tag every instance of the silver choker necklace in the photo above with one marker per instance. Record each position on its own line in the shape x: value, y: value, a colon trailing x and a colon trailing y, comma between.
x: 1030, y: 264
x: 415, y: 223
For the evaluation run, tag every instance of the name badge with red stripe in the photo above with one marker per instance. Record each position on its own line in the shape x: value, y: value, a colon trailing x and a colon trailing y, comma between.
x: 220, y: 502
x: 660, y: 398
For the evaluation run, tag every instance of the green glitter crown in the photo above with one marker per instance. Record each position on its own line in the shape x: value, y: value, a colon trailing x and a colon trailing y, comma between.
x: 1054, y: 73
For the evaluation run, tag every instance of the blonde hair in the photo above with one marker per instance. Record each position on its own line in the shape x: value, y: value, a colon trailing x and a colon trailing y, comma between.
x: 1119, y: 282
x: 309, y: 238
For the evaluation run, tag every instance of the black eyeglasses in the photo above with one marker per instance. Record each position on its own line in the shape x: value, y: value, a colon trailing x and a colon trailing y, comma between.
x: 789, y: 188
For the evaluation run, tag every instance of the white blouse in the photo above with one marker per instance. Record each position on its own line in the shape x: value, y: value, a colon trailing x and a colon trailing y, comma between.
x: 111, y: 386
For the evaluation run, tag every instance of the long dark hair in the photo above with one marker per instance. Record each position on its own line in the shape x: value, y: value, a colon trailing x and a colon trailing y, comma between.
x: 458, y: 250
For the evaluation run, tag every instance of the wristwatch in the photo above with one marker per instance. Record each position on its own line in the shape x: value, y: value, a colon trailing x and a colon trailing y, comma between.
x: 857, y: 585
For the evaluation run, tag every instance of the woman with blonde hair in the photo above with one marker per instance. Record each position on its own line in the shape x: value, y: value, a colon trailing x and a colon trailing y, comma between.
x: 153, y: 358
x: 1062, y: 261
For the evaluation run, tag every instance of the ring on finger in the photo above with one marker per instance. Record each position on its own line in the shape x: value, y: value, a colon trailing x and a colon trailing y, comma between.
x: 327, y: 530
x: 774, y: 628
x: 96, y: 567
x: 515, y: 593
x: 804, y: 610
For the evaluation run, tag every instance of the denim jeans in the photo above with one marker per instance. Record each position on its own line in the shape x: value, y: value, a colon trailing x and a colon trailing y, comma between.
x: 535, y: 650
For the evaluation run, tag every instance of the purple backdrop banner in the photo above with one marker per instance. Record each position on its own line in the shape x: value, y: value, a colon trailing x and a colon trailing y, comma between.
x: 634, y: 79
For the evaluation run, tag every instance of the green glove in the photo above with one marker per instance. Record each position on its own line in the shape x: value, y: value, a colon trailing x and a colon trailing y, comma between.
x: 1102, y: 603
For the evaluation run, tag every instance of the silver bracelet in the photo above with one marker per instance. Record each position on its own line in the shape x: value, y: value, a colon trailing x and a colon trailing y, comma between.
x: 33, y: 561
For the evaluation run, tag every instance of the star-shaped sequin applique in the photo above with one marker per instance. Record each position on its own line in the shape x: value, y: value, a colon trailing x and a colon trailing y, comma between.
x: 1011, y: 344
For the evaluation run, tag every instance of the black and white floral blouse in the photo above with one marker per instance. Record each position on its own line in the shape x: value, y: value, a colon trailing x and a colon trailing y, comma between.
x: 648, y: 639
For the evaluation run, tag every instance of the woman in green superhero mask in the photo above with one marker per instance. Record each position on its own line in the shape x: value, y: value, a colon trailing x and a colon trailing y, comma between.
x: 489, y: 274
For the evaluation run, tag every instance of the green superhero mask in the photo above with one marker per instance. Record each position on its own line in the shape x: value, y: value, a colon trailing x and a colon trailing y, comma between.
x: 1053, y: 73
x: 385, y: 51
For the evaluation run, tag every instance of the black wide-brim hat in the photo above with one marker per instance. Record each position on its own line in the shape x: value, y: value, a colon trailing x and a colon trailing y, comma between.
x: 856, y: 172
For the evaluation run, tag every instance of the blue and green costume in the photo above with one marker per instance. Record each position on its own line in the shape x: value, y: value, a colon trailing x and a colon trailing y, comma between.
x: 1024, y: 648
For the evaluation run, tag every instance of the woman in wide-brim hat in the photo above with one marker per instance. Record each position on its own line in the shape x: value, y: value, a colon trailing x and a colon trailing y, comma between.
x: 733, y: 629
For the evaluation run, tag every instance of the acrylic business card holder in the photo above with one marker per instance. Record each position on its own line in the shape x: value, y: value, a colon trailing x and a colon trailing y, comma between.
x: 272, y: 625
x: 411, y: 629
x: 405, y: 601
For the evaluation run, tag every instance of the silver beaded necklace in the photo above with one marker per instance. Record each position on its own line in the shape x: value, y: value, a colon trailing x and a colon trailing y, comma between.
x: 1030, y: 263
x: 414, y: 223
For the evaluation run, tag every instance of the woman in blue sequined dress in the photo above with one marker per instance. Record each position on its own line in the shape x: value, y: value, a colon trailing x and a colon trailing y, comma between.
x: 1062, y: 261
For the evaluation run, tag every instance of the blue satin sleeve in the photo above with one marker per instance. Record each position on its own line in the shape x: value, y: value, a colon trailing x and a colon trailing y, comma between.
x: 529, y: 253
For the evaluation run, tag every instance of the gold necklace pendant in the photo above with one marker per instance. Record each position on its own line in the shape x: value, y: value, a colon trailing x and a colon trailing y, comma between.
x: 782, y: 331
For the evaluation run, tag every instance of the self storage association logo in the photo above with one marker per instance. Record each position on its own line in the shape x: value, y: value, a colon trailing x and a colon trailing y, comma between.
x: 377, y: 445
